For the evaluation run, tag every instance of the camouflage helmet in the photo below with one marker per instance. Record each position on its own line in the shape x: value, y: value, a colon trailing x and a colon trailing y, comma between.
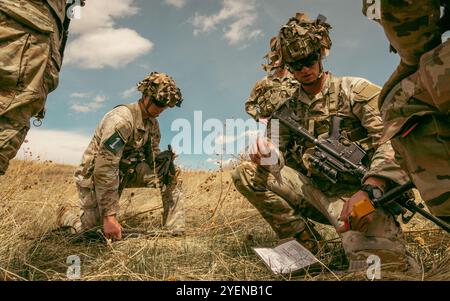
x: 301, y: 37
x: 162, y: 89
x: 273, y: 57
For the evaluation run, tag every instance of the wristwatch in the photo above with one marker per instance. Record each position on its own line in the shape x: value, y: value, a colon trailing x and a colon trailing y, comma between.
x: 373, y: 191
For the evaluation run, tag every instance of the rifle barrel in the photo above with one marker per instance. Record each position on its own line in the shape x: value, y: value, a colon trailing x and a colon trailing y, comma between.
x: 431, y: 217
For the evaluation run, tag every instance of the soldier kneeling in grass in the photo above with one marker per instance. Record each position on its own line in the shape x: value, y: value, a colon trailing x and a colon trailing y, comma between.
x: 124, y: 153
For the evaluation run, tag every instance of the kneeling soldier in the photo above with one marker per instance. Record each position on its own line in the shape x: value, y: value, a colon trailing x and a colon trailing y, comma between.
x: 124, y: 152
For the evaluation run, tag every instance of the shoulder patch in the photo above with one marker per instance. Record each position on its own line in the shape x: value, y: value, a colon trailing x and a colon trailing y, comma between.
x: 366, y: 91
x: 115, y: 143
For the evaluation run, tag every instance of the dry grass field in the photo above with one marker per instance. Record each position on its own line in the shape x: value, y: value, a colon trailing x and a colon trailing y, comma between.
x: 222, y: 228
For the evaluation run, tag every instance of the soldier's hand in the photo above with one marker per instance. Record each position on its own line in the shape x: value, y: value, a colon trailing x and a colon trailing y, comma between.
x: 112, y: 228
x: 264, y: 121
x: 262, y: 148
x: 359, y: 224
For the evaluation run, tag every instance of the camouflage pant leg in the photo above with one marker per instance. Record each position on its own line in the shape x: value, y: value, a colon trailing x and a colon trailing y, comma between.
x: 425, y: 155
x: 172, y: 196
x: 90, y: 213
x: 30, y: 63
x: 282, y: 210
x: 28, y: 72
x: 14, y: 126
x: 89, y: 216
x: 285, y: 205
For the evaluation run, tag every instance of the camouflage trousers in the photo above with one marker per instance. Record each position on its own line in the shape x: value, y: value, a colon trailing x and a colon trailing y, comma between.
x: 172, y: 198
x: 28, y: 72
x: 14, y: 126
x: 425, y: 155
x: 287, y: 205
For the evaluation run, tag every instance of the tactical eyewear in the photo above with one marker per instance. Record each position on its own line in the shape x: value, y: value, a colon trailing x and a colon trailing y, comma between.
x: 160, y: 103
x: 306, y: 62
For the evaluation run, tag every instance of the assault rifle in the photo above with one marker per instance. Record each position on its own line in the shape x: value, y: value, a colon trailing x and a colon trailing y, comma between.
x: 334, y: 159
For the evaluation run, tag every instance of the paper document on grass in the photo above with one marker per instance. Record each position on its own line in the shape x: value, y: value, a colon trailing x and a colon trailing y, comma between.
x: 287, y: 257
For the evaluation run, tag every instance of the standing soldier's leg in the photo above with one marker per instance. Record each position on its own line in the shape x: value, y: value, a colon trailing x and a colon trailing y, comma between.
x: 28, y: 72
x: 14, y: 126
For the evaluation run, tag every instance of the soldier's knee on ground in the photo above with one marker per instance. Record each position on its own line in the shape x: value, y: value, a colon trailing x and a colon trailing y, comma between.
x: 383, y: 239
x: 90, y: 213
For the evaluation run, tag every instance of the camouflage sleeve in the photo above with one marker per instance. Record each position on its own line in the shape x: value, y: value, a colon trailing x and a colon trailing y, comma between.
x: 364, y: 99
x: 115, y: 130
x: 251, y: 104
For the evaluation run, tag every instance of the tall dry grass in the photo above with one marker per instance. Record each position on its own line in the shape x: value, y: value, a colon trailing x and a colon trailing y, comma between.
x: 222, y: 228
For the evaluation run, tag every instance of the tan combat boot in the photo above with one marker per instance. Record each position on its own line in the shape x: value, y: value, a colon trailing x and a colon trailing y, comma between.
x: 67, y: 218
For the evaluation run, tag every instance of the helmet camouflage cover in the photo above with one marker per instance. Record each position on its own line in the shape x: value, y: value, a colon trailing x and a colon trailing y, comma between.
x: 301, y: 37
x: 273, y: 57
x: 162, y: 89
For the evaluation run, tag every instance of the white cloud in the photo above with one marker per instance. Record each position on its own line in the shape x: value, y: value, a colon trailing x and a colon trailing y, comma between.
x: 129, y: 93
x: 107, y: 47
x: 225, y: 163
x: 240, y: 15
x: 91, y: 106
x: 79, y: 95
x: 98, y: 44
x: 57, y: 146
x: 176, y: 3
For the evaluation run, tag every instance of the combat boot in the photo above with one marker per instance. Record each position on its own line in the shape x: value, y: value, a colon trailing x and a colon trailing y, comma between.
x: 67, y: 218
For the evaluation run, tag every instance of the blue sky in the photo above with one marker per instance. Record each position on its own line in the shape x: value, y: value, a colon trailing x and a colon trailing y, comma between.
x: 213, y: 50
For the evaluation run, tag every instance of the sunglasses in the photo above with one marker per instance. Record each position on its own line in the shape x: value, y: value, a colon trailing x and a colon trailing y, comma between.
x: 158, y: 103
x: 306, y: 62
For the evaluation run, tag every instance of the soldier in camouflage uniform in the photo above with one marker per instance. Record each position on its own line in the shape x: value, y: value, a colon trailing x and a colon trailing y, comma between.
x: 416, y: 99
x: 273, y: 89
x: 300, y: 193
x: 124, y: 152
x: 32, y: 39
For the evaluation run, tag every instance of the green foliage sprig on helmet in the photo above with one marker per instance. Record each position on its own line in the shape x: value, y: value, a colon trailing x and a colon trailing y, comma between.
x: 301, y: 37
x: 162, y: 89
